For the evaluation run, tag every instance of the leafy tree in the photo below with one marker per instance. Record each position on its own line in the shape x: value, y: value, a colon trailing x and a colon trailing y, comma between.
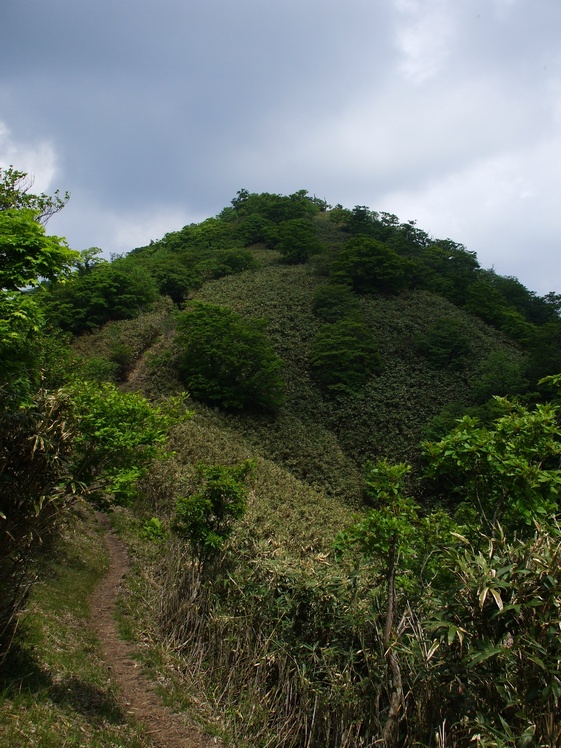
x: 502, y: 474
x: 110, y: 291
x: 371, y: 266
x: 343, y: 357
x: 88, y: 259
x: 445, y: 344
x: 257, y: 229
x: 500, y: 373
x: 116, y: 435
x: 386, y: 533
x: 275, y: 208
x: 227, y: 360
x: 27, y: 254
x: 334, y: 301
x: 14, y: 194
x: 447, y: 268
x: 544, y: 351
x: 205, y: 518
x: 297, y: 240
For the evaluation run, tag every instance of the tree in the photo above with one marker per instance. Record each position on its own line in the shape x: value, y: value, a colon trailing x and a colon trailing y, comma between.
x: 227, y: 360
x: 334, y: 301
x: 116, y: 435
x: 109, y: 291
x: 503, y: 474
x: 298, y: 240
x: 14, y: 193
x: 371, y: 266
x: 343, y: 357
x: 445, y: 345
x: 205, y: 518
x: 27, y: 254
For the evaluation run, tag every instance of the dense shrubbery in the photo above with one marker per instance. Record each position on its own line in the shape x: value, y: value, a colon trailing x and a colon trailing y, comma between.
x: 108, y: 291
x: 445, y: 344
x: 226, y: 360
x: 418, y: 630
x: 335, y: 301
x: 344, y: 356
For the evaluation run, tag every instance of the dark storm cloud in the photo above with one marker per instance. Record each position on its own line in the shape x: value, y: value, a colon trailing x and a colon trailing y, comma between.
x: 154, y: 114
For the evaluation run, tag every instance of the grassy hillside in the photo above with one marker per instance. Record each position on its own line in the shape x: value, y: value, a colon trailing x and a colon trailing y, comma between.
x: 385, y: 335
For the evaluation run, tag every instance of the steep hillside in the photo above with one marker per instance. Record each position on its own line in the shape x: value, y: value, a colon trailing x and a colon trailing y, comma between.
x: 248, y: 397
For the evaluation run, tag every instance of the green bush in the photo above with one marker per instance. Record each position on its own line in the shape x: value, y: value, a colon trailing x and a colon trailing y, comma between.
x: 372, y: 266
x: 226, y: 360
x: 343, y: 357
x: 109, y: 291
x: 298, y: 240
x: 445, y: 345
x: 205, y: 518
x: 334, y: 301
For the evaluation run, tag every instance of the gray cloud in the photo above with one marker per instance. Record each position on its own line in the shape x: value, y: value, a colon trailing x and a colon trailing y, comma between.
x: 154, y: 114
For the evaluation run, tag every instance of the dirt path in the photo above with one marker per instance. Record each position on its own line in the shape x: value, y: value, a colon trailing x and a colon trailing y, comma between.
x: 166, y: 729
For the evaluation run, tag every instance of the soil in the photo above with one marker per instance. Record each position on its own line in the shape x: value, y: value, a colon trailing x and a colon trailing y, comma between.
x: 165, y: 728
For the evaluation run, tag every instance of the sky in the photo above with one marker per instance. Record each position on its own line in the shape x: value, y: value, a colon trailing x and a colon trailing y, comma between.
x: 154, y: 113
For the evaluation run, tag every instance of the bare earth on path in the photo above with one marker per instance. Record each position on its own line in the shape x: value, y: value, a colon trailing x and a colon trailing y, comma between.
x: 165, y: 728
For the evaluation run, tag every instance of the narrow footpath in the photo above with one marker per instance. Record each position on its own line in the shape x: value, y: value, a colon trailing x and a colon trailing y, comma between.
x: 164, y: 728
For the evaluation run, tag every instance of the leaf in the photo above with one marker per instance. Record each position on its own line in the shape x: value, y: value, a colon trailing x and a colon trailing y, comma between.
x: 433, y: 647
x: 498, y: 599
x: 484, y: 655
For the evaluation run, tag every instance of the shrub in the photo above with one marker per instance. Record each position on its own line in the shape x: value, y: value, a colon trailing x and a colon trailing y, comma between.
x: 445, y: 345
x: 332, y: 302
x: 226, y: 360
x: 298, y: 240
x: 344, y: 356
x: 35, y: 488
x: 110, y: 291
x: 370, y: 266
x: 205, y: 518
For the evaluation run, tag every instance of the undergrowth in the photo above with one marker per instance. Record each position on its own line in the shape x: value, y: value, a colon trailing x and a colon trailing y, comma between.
x: 54, y: 689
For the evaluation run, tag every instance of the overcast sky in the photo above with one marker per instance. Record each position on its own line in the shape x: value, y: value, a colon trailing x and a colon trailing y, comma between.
x: 153, y: 114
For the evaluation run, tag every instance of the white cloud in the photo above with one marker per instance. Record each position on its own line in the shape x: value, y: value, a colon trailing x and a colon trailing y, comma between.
x: 37, y: 159
x: 425, y: 34
x: 87, y: 224
x: 502, y: 207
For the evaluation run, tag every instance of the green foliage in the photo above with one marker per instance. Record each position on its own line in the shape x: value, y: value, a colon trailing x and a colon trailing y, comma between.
x: 500, y: 373
x: 14, y: 194
x: 497, y: 648
x: 445, y: 344
x: 504, y: 472
x: 275, y: 208
x: 153, y: 529
x: 334, y: 301
x: 371, y: 266
x: 118, y: 433
x: 206, y: 518
x: 297, y: 240
x: 27, y: 254
x: 36, y: 487
x: 393, y: 523
x: 109, y: 291
x: 256, y: 229
x: 447, y: 268
x: 227, y: 360
x: 344, y: 356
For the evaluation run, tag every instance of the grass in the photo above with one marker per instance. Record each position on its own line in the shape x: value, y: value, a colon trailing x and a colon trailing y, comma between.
x: 54, y: 688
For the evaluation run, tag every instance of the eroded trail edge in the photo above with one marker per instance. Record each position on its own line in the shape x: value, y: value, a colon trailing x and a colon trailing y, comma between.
x: 138, y: 698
